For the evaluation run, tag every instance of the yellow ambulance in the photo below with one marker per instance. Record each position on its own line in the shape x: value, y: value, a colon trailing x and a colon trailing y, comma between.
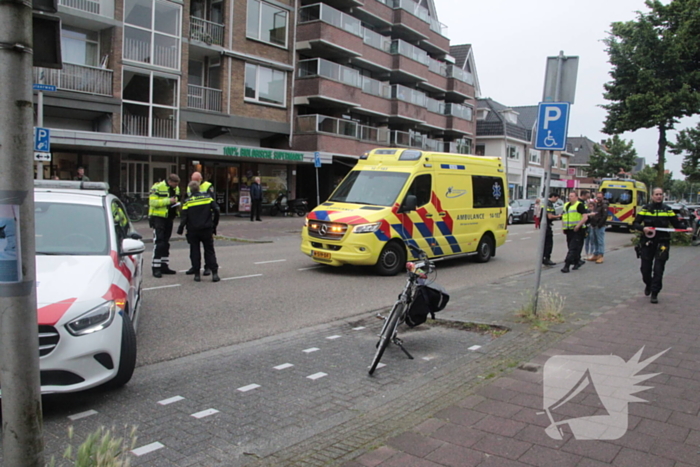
x: 446, y: 204
x: 625, y: 197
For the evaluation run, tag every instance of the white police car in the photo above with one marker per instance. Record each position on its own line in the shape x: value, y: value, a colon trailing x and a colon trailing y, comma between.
x: 89, y: 275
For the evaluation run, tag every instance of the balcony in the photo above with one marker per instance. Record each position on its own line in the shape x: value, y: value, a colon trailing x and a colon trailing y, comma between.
x: 88, y: 6
x: 206, y: 31
x: 410, y: 139
x: 137, y: 125
x: 323, y: 12
x: 199, y: 97
x: 460, y: 146
x: 77, y: 78
x: 413, y: 22
x: 409, y: 104
x: 464, y: 112
x: 323, y: 133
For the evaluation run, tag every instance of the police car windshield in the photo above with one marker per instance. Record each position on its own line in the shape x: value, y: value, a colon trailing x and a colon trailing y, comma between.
x: 617, y: 195
x: 370, y: 187
x: 70, y: 229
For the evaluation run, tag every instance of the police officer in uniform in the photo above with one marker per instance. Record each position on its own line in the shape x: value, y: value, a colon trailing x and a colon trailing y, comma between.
x: 654, y: 246
x: 574, y: 220
x: 205, y: 188
x: 549, y: 236
x: 200, y: 214
x: 162, y: 210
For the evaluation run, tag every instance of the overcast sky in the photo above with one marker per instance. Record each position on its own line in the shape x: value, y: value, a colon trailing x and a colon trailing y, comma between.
x: 512, y: 38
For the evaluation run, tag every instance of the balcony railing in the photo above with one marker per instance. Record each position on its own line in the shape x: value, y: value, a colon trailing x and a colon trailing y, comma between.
x: 411, y: 51
x: 78, y: 78
x: 435, y: 105
x: 376, y: 88
x: 206, y: 31
x: 460, y: 111
x: 410, y: 139
x: 460, y: 146
x: 321, y: 11
x: 436, y: 66
x: 421, y: 12
x: 199, y: 97
x: 376, y: 40
x: 409, y: 95
x: 137, y: 125
x: 336, y: 126
x: 460, y: 74
x: 140, y: 51
x: 89, y: 6
x: 346, y: 75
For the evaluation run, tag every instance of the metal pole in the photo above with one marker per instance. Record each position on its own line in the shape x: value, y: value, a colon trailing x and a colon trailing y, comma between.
x: 318, y: 194
x: 545, y: 197
x: 22, y: 432
x: 40, y: 124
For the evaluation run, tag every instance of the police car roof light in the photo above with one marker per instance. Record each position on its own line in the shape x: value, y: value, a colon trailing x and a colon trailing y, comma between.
x: 71, y: 185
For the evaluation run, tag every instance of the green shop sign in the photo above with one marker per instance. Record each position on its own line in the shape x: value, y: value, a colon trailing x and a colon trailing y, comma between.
x: 259, y: 153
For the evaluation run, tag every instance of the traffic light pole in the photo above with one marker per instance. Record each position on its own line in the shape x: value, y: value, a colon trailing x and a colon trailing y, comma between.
x: 22, y: 432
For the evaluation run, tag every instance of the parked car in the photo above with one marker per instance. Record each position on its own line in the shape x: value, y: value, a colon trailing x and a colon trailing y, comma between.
x: 682, y: 212
x: 510, y: 215
x: 523, y: 210
x: 89, y: 277
x: 559, y: 207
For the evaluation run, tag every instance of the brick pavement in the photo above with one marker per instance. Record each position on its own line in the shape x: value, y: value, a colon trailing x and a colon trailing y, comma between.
x: 501, y: 423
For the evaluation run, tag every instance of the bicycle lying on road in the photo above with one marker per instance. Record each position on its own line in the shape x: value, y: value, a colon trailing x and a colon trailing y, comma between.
x: 416, y: 301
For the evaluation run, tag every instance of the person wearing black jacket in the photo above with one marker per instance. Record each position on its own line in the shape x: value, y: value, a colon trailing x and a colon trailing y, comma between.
x: 200, y: 214
x: 654, y: 246
x: 256, y: 198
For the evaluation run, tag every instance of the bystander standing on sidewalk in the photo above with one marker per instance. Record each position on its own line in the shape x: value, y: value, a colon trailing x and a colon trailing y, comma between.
x: 538, y: 213
x: 256, y: 198
x: 598, y: 220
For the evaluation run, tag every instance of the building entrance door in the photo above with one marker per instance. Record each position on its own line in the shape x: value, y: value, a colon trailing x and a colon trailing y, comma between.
x: 226, y: 181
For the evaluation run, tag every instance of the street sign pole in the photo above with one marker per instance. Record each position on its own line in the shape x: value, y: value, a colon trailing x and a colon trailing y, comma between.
x: 317, y: 164
x: 22, y: 432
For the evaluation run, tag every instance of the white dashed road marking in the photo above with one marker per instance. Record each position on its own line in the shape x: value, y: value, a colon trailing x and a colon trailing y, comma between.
x: 273, y: 261
x: 283, y: 366
x: 358, y: 328
x: 333, y: 337
x: 170, y: 400
x: 317, y: 376
x: 80, y: 415
x: 250, y: 387
x: 312, y: 349
x: 147, y: 448
x: 240, y: 277
x: 526, y: 238
x: 475, y: 347
x: 205, y: 413
x: 162, y: 287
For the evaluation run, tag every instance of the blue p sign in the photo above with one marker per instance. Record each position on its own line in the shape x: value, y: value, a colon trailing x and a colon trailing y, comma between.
x: 317, y: 159
x: 552, y: 126
x: 42, y: 140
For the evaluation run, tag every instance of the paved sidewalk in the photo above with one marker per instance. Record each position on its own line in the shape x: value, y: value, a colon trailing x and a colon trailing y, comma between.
x: 502, y: 423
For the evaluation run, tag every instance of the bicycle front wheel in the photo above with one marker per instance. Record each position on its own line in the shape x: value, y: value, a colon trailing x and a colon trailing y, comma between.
x: 387, y: 334
x: 134, y: 211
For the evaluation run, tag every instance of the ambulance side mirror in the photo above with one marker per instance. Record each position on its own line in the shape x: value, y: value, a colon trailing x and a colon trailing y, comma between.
x: 410, y: 203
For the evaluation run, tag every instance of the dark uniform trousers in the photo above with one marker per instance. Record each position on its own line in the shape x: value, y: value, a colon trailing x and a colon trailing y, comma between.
x: 548, y: 241
x: 206, y: 238
x: 654, y: 254
x: 162, y: 231
x: 574, y: 241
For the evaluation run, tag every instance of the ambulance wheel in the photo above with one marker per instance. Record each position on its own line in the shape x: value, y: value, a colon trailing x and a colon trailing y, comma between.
x: 391, y: 260
x: 484, y: 251
x: 127, y: 356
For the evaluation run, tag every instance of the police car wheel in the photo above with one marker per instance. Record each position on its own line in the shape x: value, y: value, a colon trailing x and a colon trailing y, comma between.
x: 127, y: 357
x: 391, y: 260
x: 485, y: 250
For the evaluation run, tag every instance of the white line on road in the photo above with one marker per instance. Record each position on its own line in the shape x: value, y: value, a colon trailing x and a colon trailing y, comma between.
x: 475, y: 347
x: 240, y: 277
x: 360, y: 328
x: 170, y: 400
x: 274, y: 261
x: 333, y: 337
x: 508, y: 241
x: 283, y: 366
x: 317, y: 376
x: 162, y: 287
x: 205, y: 413
x: 80, y: 415
x: 312, y: 349
x: 526, y: 238
x: 147, y: 448
x: 250, y: 387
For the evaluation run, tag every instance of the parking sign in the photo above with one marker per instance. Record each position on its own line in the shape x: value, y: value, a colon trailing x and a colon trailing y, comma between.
x: 317, y: 159
x: 552, y: 126
x: 42, y: 140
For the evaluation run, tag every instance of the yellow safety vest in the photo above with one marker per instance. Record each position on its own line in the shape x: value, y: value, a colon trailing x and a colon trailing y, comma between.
x: 203, y: 188
x: 571, y: 216
x: 159, y: 199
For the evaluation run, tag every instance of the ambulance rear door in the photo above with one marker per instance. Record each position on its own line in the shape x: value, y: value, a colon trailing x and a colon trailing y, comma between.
x: 457, y: 223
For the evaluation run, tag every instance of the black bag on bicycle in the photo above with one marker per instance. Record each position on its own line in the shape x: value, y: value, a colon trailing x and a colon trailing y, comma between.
x: 429, y: 300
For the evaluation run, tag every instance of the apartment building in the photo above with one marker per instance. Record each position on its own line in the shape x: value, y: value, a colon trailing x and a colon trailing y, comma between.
x: 376, y: 73
x: 244, y: 88
x: 582, y: 148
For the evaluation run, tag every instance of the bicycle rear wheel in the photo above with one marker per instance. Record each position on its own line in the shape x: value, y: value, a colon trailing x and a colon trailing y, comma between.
x: 387, y: 333
x: 134, y: 211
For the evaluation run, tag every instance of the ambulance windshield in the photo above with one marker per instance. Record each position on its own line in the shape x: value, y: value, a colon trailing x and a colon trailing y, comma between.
x: 617, y: 196
x: 370, y: 187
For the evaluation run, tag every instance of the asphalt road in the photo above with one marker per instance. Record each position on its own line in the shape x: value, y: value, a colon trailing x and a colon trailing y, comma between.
x: 271, y: 288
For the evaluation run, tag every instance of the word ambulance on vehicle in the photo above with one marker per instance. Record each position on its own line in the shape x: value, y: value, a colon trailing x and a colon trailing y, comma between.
x: 625, y: 198
x: 446, y: 204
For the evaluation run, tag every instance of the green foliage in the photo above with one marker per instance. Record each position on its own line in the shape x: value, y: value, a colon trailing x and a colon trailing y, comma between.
x: 620, y: 156
x: 648, y: 176
x: 655, y: 77
x: 101, y: 448
x: 688, y: 143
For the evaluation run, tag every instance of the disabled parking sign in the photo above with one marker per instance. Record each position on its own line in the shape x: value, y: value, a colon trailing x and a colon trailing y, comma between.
x: 552, y: 126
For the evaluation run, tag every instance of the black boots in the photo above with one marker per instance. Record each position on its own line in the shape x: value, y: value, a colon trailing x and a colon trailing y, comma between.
x: 157, y: 273
x: 166, y: 270
x: 548, y: 262
x: 207, y: 272
x: 190, y: 271
x: 654, y: 298
x: 215, y: 276
x: 647, y: 290
x: 565, y: 268
x: 197, y: 278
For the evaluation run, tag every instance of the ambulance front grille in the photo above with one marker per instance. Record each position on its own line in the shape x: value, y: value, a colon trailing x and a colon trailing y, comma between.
x: 48, y: 339
x: 327, y: 230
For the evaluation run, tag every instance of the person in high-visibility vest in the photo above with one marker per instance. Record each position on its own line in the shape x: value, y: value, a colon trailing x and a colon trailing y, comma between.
x: 654, y: 246
x: 573, y: 222
x: 162, y: 210
x: 205, y: 188
x: 200, y: 214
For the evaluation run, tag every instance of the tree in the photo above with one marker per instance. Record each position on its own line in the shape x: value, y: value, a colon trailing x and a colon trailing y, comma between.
x: 688, y: 142
x: 648, y: 176
x: 655, y: 76
x: 620, y: 156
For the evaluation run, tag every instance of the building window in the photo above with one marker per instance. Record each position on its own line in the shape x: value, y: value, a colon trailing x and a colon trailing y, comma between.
x: 267, y: 23
x: 265, y: 85
x: 535, y: 157
x: 149, y: 105
x: 152, y: 32
x: 480, y: 150
x: 481, y: 114
x: 555, y: 161
x: 513, y: 153
x: 564, y: 162
x: 80, y: 47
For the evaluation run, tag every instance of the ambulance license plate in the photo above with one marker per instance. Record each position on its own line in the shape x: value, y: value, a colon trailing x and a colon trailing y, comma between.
x: 321, y: 255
